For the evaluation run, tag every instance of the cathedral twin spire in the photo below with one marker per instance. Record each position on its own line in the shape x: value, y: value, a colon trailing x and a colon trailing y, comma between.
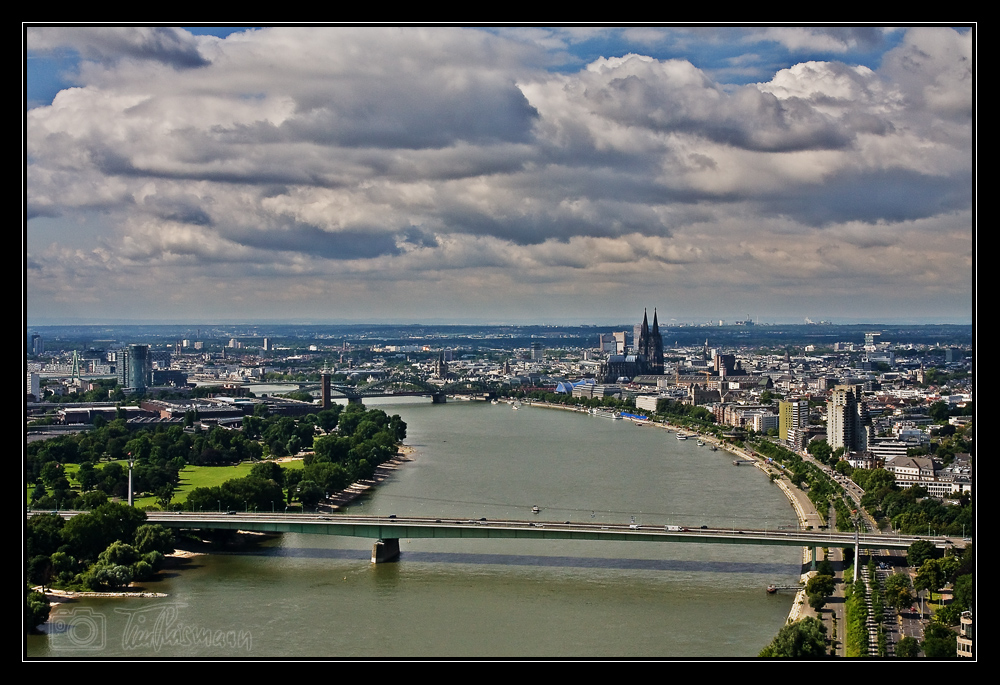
x: 650, y: 344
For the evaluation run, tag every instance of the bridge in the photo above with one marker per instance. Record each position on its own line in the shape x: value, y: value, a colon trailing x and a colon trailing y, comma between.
x: 387, y: 531
x: 398, y: 385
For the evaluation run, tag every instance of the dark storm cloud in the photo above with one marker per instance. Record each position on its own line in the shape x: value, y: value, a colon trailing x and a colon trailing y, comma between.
x: 598, y: 218
x: 873, y: 196
x: 383, y: 117
x: 748, y: 119
x: 184, y: 211
x: 165, y: 45
x: 311, y: 240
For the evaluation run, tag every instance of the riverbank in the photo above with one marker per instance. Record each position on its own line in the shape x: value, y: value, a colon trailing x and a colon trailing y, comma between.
x: 335, y: 501
x: 804, y: 509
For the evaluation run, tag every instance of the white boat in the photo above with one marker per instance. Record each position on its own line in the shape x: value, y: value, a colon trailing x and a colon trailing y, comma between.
x: 535, y: 509
x: 681, y: 436
x: 701, y: 443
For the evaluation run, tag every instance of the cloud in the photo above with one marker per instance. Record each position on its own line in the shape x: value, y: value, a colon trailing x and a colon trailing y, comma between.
x: 166, y: 45
x: 368, y: 153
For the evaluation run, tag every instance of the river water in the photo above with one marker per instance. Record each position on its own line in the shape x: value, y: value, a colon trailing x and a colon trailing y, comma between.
x: 318, y: 596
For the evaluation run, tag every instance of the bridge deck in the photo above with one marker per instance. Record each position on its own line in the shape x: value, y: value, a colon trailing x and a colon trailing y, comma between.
x: 418, y: 527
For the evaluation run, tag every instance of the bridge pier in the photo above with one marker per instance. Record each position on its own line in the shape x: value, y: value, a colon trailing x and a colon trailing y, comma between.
x: 812, y: 564
x: 439, y: 398
x: 354, y: 400
x: 385, y: 550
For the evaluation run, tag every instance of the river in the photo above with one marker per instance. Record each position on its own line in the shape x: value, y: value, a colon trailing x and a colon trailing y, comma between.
x: 317, y: 596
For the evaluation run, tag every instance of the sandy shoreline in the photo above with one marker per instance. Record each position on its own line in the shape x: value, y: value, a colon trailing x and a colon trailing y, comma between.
x: 404, y: 453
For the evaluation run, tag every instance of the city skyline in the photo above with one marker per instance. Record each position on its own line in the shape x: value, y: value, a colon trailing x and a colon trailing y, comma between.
x: 520, y: 175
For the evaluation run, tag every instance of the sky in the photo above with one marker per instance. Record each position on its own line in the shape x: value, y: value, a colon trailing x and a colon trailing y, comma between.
x: 516, y: 175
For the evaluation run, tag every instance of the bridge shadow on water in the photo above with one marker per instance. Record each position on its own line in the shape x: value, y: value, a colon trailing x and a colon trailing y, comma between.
x: 684, y: 565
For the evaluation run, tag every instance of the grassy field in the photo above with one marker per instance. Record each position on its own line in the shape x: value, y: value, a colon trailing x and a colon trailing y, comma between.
x: 191, y: 477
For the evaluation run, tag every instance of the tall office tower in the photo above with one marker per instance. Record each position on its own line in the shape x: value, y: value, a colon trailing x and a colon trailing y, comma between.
x: 134, y: 368
x: 37, y: 346
x: 537, y: 351
x: 620, y: 345
x: 846, y: 416
x: 793, y: 417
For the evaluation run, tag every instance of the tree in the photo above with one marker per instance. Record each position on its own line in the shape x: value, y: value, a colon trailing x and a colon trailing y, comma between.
x: 964, y: 591
x: 907, y: 648
x: 268, y: 470
x: 939, y: 642
x: 328, y: 418
x: 154, y: 537
x: 805, y: 638
x: 36, y: 609
x: 90, y: 534
x: 310, y: 493
x: 43, y: 535
x: 930, y: 577
x: 920, y: 551
x: 820, y: 450
x: 947, y: 615
x: 118, y: 553
x: 897, y: 591
x: 939, y: 411
x: 818, y: 589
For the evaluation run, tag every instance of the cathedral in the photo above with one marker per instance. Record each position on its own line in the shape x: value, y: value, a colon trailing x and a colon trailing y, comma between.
x: 646, y: 357
x: 650, y: 345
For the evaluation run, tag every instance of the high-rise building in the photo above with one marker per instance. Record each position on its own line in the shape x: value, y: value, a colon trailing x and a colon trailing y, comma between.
x: 134, y: 368
x: 37, y: 346
x: 847, y: 419
x: 619, y: 342
x: 793, y: 417
x: 537, y: 351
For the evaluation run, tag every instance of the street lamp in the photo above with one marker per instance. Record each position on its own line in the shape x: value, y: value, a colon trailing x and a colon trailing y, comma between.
x: 131, y: 463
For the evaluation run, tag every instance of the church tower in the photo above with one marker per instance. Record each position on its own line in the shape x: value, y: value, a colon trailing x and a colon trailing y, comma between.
x: 655, y: 356
x: 642, y: 345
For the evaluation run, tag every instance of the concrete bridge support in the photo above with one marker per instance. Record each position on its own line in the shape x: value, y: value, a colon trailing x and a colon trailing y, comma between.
x: 385, y: 550
x: 354, y: 400
x: 812, y: 564
x: 439, y: 398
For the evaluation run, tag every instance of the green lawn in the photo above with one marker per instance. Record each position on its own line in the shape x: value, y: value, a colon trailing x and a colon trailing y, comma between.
x: 191, y: 477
